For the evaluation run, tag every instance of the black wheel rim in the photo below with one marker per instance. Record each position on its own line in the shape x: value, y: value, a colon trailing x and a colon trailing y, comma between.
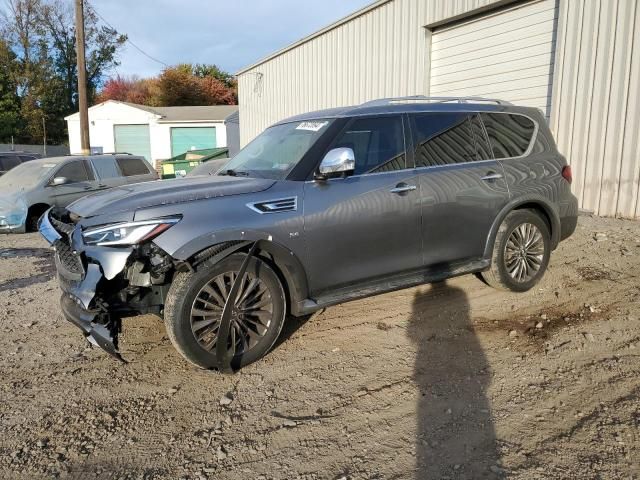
x: 250, y: 322
x: 524, y: 252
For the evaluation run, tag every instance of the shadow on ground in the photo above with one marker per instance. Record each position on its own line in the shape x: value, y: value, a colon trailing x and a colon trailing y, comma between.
x: 455, y: 436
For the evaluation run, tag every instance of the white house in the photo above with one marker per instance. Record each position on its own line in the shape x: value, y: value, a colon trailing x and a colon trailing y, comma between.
x: 157, y: 133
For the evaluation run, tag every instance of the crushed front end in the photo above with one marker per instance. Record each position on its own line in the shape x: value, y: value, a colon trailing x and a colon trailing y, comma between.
x: 106, y: 276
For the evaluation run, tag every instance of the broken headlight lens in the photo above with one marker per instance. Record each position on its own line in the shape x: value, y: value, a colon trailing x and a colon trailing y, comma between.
x: 131, y: 233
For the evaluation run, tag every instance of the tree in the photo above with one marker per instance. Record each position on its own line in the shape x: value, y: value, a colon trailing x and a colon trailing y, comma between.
x: 183, y: 84
x: 143, y: 91
x: 42, y: 35
x: 9, y: 99
x: 102, y: 43
x: 178, y: 86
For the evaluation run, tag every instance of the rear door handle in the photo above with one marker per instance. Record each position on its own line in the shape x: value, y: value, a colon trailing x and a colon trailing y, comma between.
x: 491, y: 176
x: 403, y: 188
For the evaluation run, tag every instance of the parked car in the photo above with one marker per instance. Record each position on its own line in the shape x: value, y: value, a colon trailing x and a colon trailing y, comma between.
x: 207, y: 168
x: 8, y: 160
x: 29, y: 189
x: 319, y: 209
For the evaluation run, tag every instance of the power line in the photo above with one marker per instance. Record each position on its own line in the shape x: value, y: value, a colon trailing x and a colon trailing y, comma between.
x: 128, y: 39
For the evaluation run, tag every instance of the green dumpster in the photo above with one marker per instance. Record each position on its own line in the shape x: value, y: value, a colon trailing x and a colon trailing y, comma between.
x: 182, y: 164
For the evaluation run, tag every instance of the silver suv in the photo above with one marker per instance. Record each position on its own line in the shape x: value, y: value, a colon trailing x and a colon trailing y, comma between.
x: 319, y: 209
x: 31, y: 188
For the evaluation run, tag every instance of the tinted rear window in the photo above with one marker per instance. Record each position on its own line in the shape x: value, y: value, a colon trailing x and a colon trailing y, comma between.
x: 132, y: 166
x: 443, y: 139
x: 509, y: 135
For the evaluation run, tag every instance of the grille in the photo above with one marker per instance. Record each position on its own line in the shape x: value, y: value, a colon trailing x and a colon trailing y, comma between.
x: 68, y: 260
x: 275, y: 206
x: 62, y: 227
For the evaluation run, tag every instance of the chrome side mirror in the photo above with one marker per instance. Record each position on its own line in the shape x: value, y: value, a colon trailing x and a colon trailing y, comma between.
x: 59, y: 181
x: 337, y: 160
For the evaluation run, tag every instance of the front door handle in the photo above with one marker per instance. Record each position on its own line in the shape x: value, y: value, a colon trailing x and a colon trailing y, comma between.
x: 403, y: 188
x: 491, y: 176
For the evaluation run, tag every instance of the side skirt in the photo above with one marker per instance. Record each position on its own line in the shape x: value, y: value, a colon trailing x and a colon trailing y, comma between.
x: 390, y: 284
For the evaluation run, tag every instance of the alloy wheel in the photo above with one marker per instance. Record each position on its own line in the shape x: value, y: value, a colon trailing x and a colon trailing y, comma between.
x: 252, y: 315
x: 524, y: 252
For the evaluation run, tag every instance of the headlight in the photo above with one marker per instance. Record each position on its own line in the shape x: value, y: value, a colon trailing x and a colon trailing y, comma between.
x: 13, y: 214
x: 131, y: 233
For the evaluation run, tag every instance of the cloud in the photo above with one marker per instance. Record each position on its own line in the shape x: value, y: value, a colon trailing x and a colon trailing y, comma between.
x: 231, y: 33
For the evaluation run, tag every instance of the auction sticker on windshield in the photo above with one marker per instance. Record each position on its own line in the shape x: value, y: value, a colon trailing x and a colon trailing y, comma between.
x: 311, y: 126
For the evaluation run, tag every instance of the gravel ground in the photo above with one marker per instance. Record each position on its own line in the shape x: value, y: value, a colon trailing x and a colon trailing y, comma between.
x: 454, y: 380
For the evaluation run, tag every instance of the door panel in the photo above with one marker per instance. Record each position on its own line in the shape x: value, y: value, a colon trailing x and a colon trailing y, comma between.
x: 458, y: 209
x: 356, y: 228
x: 461, y: 191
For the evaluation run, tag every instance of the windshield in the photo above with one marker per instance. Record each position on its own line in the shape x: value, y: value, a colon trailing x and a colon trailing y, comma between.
x: 275, y: 152
x: 27, y: 174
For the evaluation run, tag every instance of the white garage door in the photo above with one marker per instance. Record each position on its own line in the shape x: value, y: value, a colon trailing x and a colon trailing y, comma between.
x: 506, y: 55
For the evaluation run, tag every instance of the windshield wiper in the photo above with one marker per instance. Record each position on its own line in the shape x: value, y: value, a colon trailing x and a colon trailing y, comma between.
x: 234, y: 173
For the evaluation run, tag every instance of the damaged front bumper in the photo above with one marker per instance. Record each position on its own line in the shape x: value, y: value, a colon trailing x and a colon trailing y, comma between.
x: 101, y: 285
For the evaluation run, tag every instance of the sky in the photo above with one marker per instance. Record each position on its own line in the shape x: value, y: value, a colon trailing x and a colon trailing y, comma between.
x: 229, y: 33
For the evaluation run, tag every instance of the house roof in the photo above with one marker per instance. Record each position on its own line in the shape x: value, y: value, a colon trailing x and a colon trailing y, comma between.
x: 201, y: 113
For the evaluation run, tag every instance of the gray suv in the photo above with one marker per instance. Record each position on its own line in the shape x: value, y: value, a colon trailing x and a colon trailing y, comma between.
x: 31, y: 188
x: 319, y: 209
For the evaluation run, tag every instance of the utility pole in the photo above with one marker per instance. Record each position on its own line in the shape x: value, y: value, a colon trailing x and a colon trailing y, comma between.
x: 44, y: 136
x: 82, y: 79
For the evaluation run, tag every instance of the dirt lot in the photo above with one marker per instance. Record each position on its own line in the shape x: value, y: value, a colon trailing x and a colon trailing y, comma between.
x: 449, y: 381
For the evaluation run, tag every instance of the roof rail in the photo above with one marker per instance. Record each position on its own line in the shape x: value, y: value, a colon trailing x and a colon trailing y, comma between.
x: 422, y: 98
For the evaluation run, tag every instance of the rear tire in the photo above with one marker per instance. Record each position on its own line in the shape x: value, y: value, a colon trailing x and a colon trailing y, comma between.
x: 194, y: 307
x: 521, y: 252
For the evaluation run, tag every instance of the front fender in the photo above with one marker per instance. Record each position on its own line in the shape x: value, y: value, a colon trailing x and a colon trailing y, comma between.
x: 533, y: 200
x: 286, y: 261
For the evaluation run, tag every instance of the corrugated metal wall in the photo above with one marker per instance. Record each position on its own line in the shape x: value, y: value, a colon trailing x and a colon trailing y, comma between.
x: 382, y: 53
x: 595, y: 113
x: 596, y: 102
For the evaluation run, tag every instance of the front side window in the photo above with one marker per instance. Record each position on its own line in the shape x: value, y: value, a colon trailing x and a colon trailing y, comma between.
x: 377, y: 142
x: 510, y: 135
x: 75, y: 172
x: 443, y: 139
x: 277, y: 150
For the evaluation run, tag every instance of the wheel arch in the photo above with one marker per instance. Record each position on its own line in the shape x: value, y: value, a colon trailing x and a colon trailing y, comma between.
x: 542, y: 206
x: 283, y: 261
x: 37, y: 208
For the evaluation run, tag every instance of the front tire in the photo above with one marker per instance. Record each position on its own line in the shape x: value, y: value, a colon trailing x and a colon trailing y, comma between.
x: 520, y: 253
x: 194, y: 307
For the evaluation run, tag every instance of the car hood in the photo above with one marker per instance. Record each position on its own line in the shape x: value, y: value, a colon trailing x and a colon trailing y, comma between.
x: 13, y: 190
x: 165, y: 192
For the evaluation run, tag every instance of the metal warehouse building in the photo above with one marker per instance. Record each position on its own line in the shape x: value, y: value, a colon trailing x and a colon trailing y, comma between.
x: 577, y: 60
